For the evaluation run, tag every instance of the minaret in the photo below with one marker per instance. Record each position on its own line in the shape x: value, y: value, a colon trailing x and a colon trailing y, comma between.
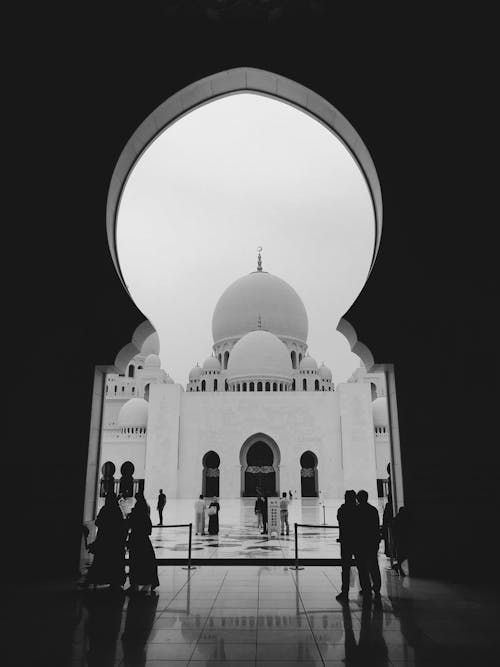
x: 259, y: 259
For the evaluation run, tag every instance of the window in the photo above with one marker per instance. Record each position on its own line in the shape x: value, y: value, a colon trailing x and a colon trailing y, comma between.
x: 252, y: 386
x: 259, y: 386
x: 304, y: 384
x: 131, y: 370
x: 215, y: 385
x: 316, y: 385
x: 226, y: 358
x: 203, y: 385
x: 275, y: 386
x: 268, y: 386
x: 244, y: 386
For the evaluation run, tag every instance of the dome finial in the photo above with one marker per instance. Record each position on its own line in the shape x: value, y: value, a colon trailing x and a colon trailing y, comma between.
x: 259, y: 322
x: 259, y: 258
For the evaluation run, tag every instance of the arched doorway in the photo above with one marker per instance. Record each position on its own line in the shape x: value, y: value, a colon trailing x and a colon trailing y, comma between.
x: 260, y: 460
x: 211, y: 475
x: 309, y: 475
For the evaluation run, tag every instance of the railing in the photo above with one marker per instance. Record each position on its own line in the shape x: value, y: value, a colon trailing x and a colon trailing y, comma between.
x: 184, y: 525
x: 304, y: 525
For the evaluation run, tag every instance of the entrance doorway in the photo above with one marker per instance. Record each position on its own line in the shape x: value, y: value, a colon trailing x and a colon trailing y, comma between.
x: 260, y: 461
x: 211, y: 474
x: 260, y: 476
x: 309, y: 475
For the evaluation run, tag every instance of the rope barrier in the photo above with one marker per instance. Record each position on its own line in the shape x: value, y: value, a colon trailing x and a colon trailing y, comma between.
x: 304, y: 525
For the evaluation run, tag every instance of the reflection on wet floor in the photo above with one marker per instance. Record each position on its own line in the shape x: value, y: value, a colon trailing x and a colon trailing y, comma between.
x: 249, y: 615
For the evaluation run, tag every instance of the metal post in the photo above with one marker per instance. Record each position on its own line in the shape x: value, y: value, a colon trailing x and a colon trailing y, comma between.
x: 324, y: 520
x: 296, y: 566
x: 189, y: 566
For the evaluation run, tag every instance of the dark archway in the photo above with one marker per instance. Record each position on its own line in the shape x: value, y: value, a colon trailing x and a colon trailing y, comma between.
x: 210, y: 484
x: 309, y: 475
x: 260, y: 459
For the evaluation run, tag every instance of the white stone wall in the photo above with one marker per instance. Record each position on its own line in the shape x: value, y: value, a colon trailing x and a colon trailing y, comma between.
x: 184, y: 426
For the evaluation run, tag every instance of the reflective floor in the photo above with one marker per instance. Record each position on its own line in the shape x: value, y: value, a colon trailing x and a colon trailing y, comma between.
x: 250, y: 615
x: 239, y: 536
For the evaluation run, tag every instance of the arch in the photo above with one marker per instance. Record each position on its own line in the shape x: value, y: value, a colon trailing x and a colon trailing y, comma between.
x: 316, y: 385
x: 251, y: 386
x: 359, y: 348
x: 275, y: 386
x: 221, y: 84
x: 293, y: 384
x: 262, y: 445
x: 259, y: 386
x: 126, y: 487
x: 293, y: 356
x: 203, y: 385
x: 210, y: 483
x: 131, y: 370
x: 107, y: 484
x: 268, y: 386
x: 304, y: 384
x: 244, y: 386
x: 216, y: 384
x: 309, y: 475
x: 226, y: 358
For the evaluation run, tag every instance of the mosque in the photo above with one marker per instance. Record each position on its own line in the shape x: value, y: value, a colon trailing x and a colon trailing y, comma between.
x: 259, y: 414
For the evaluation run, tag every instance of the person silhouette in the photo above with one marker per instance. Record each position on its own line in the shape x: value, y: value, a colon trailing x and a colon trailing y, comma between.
x: 401, y: 534
x: 347, y: 518
x: 162, y: 501
x: 143, y: 570
x: 367, y: 546
x: 108, y: 566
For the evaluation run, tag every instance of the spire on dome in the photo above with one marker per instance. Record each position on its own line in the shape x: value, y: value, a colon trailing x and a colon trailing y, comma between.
x: 259, y: 258
x: 259, y: 322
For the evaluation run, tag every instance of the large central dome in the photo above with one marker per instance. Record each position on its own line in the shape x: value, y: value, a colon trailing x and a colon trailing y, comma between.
x: 260, y: 294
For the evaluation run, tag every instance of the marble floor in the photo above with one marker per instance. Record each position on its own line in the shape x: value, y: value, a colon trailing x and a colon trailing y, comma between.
x: 238, y: 535
x: 253, y: 616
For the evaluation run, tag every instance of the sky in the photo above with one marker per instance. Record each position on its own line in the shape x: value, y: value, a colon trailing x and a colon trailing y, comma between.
x: 241, y: 172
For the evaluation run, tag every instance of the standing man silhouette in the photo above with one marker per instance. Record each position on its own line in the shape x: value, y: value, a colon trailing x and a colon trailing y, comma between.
x: 162, y: 501
x: 369, y: 539
x: 347, y: 516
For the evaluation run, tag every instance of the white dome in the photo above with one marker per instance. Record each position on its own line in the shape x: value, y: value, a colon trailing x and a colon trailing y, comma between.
x: 259, y: 354
x: 152, y: 361
x: 259, y: 294
x: 151, y: 345
x: 134, y: 413
x: 194, y: 373
x: 211, y: 364
x: 380, y: 415
x: 325, y: 372
x: 308, y: 364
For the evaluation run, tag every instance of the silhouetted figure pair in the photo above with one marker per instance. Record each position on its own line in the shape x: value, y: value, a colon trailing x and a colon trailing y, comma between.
x: 108, y: 566
x: 359, y: 538
x: 143, y: 570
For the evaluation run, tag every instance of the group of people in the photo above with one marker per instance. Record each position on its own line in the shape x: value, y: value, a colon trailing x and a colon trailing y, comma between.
x: 212, y: 511
x: 116, y: 532
x: 359, y: 538
x: 261, y: 512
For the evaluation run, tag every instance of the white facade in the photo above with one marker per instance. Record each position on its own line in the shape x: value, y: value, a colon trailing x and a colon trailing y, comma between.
x: 258, y: 414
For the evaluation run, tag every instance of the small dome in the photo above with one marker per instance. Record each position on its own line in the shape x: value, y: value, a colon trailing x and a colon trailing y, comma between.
x: 134, y: 413
x: 259, y: 354
x: 380, y: 414
x: 195, y: 373
x: 152, y: 361
x: 168, y: 379
x: 259, y: 294
x: 325, y: 373
x: 151, y: 345
x: 308, y: 364
x: 211, y: 364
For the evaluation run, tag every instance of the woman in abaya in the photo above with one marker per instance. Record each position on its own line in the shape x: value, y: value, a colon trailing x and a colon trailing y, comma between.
x: 143, y: 570
x: 213, y: 517
x: 108, y: 548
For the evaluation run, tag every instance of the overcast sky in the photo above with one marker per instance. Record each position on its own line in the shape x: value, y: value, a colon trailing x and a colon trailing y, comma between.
x: 237, y: 173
